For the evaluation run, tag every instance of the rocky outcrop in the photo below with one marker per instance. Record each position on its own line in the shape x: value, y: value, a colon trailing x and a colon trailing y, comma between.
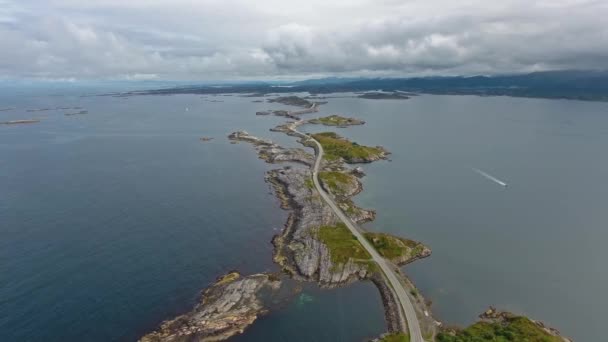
x: 244, y: 136
x: 225, y: 309
x: 297, y: 249
x: 82, y: 112
x: 19, y: 122
x: 492, y: 315
x: 398, y: 250
x: 282, y: 113
x: 341, y: 185
x: 336, y: 120
x: 384, y: 96
x: 358, y: 172
x: 292, y: 101
x: 339, y: 149
x: 273, y: 153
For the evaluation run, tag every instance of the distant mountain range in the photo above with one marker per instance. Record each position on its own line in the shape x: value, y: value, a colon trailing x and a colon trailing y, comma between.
x: 579, y: 85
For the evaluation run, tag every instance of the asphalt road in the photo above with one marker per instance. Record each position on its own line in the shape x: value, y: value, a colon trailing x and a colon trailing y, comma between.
x: 392, y: 278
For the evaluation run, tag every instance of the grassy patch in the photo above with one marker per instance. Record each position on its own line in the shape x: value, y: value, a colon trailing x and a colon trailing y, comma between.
x: 228, y: 278
x: 392, y: 247
x: 342, y: 244
x: 337, y: 182
x: 396, y: 337
x: 337, y: 147
x: 517, y: 328
x: 309, y: 184
x: 336, y: 120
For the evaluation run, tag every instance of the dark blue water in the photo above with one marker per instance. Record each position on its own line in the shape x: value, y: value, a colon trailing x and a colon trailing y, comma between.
x: 112, y: 221
x: 323, y: 315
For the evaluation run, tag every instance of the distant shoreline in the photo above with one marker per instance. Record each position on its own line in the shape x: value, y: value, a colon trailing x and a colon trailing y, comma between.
x: 569, y: 85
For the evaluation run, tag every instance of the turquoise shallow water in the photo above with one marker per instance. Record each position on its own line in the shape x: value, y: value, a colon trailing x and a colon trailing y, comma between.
x: 113, y: 221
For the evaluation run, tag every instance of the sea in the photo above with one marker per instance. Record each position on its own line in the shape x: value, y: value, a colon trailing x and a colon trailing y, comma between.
x: 115, y: 220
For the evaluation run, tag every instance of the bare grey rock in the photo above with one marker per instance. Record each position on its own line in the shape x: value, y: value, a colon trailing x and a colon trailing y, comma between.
x: 297, y: 249
x: 226, y: 308
x: 272, y: 152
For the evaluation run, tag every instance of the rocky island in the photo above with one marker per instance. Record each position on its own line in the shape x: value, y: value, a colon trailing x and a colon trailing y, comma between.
x: 291, y: 101
x: 502, y: 326
x: 336, y: 120
x: 18, y: 122
x: 384, y: 96
x: 339, y: 149
x: 82, y: 112
x: 225, y: 309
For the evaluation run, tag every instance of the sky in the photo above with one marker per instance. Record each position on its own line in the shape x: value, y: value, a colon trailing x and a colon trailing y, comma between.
x: 280, y: 39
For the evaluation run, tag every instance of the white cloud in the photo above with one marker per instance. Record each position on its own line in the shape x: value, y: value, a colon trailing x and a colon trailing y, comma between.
x: 213, y: 39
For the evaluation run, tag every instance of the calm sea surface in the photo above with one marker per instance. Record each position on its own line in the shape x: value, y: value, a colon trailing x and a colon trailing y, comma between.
x: 112, y: 221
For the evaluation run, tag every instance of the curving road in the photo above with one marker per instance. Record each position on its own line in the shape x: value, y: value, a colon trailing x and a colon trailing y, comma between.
x: 393, y: 280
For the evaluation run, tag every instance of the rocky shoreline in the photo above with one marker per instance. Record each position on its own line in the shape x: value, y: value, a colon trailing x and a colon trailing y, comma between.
x: 225, y: 309
x: 296, y: 249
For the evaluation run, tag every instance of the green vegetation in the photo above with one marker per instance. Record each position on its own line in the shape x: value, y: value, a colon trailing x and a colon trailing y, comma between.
x: 309, y: 183
x: 395, y: 337
x: 342, y: 244
x: 337, y: 182
x: 517, y: 328
x: 337, y: 147
x: 228, y: 278
x: 394, y: 248
x: 336, y: 120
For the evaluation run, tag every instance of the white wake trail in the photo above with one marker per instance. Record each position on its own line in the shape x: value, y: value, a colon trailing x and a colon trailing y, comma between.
x: 490, y: 177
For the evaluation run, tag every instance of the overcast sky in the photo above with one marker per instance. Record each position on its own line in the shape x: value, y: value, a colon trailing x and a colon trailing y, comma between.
x: 265, y: 39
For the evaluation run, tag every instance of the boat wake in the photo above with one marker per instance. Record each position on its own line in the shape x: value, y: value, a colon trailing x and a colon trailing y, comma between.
x: 490, y: 177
